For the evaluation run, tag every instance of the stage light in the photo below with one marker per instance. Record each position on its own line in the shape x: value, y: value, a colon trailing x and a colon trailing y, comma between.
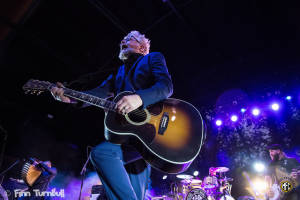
x: 164, y: 177
x: 260, y: 185
x: 173, y: 118
x: 219, y: 122
x: 275, y: 106
x: 196, y: 173
x: 288, y: 97
x: 243, y: 110
x: 255, y: 111
x: 234, y: 118
x: 259, y: 167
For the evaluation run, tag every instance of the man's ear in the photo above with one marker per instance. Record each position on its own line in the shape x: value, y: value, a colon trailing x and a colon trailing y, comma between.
x: 142, y: 49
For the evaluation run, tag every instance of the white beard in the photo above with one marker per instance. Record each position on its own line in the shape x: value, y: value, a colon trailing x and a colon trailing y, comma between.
x: 124, y: 54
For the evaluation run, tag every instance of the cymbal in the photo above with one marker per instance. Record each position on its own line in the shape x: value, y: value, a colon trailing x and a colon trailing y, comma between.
x: 184, y: 176
x: 191, y: 181
x: 221, y: 169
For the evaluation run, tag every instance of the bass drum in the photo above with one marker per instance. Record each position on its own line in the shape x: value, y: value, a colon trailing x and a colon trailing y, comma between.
x: 196, y: 194
x: 226, y: 197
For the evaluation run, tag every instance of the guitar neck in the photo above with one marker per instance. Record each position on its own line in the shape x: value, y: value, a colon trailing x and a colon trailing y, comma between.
x: 87, y: 98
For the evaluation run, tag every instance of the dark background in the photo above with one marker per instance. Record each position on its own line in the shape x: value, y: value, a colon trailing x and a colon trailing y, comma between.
x: 210, y: 46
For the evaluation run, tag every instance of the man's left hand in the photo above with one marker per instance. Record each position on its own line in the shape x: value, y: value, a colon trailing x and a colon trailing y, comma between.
x: 128, y: 103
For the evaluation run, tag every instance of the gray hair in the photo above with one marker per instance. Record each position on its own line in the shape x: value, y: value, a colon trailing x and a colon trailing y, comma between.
x: 145, y: 42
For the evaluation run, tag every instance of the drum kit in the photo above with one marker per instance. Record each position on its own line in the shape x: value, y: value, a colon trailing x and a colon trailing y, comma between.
x: 216, y: 186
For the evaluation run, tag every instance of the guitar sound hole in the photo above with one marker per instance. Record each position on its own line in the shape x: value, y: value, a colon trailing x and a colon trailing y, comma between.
x: 137, y: 116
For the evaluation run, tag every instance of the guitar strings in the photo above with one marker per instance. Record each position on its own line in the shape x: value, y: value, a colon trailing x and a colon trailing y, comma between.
x: 141, y: 114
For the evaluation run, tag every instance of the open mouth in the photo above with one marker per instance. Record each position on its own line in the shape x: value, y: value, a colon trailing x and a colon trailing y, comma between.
x: 124, y: 46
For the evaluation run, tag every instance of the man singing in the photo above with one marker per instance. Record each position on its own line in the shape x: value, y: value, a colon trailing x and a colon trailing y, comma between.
x: 146, y: 75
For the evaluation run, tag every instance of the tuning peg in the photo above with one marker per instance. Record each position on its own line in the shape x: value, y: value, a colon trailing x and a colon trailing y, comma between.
x: 39, y: 92
x: 27, y: 91
x: 33, y: 91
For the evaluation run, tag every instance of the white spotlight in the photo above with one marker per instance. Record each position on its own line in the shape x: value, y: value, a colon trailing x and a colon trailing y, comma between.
x: 196, y: 173
x: 259, y: 167
x: 234, y: 118
x: 255, y: 112
x: 164, y: 177
x: 275, y: 106
x: 219, y: 122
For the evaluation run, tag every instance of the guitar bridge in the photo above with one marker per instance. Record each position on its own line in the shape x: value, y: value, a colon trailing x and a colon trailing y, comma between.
x: 164, y: 121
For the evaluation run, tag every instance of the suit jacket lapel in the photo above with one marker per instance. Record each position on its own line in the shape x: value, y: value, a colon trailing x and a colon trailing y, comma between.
x: 131, y: 70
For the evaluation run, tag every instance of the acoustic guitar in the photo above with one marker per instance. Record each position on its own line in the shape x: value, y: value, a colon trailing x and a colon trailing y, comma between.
x: 168, y: 134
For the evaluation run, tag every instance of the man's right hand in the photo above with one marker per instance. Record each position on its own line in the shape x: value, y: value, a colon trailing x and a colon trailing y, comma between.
x: 58, y: 93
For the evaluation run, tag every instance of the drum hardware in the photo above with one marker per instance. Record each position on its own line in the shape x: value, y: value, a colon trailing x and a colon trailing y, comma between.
x: 212, y: 187
x: 196, y: 194
x: 226, y: 179
x: 98, y: 193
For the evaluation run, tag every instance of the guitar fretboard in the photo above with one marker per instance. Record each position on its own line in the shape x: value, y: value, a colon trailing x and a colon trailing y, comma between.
x: 87, y: 98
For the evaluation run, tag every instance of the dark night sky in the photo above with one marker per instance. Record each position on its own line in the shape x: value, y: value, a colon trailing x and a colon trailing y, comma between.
x: 210, y: 46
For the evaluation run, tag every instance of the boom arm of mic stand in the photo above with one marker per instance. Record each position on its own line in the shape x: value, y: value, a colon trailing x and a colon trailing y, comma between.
x: 2, y: 173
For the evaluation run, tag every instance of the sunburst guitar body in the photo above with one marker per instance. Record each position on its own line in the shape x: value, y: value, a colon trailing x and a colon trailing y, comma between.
x: 168, y: 134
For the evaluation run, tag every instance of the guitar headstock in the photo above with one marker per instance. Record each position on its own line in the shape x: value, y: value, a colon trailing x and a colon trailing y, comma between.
x: 36, y: 87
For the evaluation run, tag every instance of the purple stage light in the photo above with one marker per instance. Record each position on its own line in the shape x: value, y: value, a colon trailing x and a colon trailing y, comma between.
x: 234, y: 118
x: 243, y: 110
x: 288, y: 97
x: 219, y: 122
x: 275, y: 106
x: 255, y: 111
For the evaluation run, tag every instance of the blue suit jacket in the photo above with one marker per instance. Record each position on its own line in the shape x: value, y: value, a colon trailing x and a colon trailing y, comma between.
x: 148, y: 77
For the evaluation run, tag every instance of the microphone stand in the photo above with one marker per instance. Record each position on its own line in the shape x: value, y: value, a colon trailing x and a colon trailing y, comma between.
x: 2, y: 173
x: 82, y: 173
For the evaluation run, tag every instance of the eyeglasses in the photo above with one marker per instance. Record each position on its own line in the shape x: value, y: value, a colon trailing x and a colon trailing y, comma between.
x: 130, y: 38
